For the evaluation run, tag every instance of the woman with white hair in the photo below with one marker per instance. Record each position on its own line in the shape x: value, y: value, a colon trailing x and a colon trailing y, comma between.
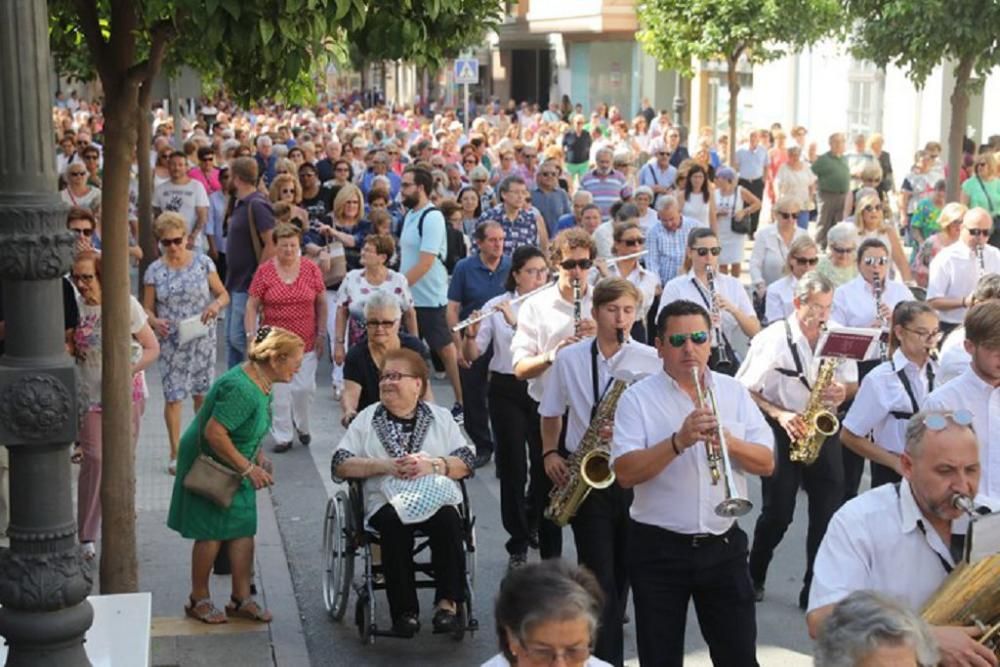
x: 734, y: 207
x: 643, y: 198
x: 842, y: 243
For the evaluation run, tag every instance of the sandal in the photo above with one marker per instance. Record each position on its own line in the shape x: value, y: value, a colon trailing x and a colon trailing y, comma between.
x: 204, y: 610
x: 248, y: 609
x: 77, y: 456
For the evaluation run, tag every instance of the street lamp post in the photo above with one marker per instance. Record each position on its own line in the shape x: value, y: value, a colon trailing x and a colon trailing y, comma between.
x: 44, y: 581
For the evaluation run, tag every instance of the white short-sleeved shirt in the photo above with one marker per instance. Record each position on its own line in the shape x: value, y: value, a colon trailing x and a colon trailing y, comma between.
x: 182, y: 199
x: 571, y: 386
x: 854, y: 301
x: 495, y: 331
x: 969, y: 392
x: 690, y: 288
x: 769, y: 351
x: 604, y: 239
x: 780, y: 300
x: 954, y: 273
x: 770, y: 254
x: 645, y: 281
x: 543, y: 322
x: 953, y: 359
x: 882, y: 393
x: 875, y: 542
x: 682, y: 498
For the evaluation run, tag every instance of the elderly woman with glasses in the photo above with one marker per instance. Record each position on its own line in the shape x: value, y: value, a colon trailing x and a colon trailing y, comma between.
x: 803, y: 256
x: 871, y: 223
x: 771, y: 243
x: 79, y: 192
x: 182, y: 296
x: 286, y: 188
x: 734, y: 206
x: 838, y: 265
x: 403, y: 445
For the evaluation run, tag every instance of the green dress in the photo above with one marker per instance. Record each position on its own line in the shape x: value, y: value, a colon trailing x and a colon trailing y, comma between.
x: 236, y: 402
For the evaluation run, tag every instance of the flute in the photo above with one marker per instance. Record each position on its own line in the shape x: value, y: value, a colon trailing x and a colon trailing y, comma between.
x: 622, y: 258
x: 489, y: 311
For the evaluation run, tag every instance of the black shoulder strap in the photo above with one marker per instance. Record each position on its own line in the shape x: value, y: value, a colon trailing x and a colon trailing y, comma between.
x: 420, y: 227
x: 793, y: 348
x: 652, y: 172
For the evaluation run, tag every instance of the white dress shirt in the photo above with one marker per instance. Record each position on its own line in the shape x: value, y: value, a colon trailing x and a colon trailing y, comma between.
x: 882, y: 393
x: 645, y: 281
x: 954, y: 273
x: 682, y: 498
x: 604, y: 239
x: 779, y: 302
x: 953, y: 359
x: 495, y: 331
x: 685, y: 287
x: 881, y: 542
x: 769, y: 351
x: 542, y: 322
x: 571, y: 385
x: 969, y: 392
x: 854, y: 302
x: 769, y: 255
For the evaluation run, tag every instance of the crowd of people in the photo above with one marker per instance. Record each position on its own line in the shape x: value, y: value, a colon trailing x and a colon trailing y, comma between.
x: 578, y: 281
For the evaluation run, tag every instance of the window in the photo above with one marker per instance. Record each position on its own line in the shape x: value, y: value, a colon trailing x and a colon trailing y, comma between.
x: 866, y: 87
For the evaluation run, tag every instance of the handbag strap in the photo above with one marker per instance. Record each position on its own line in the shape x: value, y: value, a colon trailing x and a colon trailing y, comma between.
x: 989, y: 200
x: 255, y: 240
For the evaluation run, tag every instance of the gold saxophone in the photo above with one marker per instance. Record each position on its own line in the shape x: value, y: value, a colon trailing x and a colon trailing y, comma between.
x: 820, y: 421
x: 590, y: 464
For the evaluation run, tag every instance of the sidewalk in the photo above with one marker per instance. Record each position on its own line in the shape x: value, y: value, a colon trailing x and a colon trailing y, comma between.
x: 164, y: 570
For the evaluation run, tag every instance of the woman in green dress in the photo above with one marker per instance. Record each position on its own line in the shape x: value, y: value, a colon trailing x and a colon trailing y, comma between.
x: 229, y: 427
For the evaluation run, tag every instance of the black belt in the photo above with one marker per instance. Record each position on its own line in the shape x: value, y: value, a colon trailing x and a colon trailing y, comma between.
x: 693, y: 540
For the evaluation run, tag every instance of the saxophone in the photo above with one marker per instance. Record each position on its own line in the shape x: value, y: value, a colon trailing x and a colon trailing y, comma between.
x: 820, y: 422
x: 590, y: 464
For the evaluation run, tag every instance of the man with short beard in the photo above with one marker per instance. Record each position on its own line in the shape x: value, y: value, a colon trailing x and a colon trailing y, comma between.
x: 604, y: 182
x: 186, y: 196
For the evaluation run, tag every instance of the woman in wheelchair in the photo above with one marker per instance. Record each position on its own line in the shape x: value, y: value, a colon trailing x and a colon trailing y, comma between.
x: 408, y: 451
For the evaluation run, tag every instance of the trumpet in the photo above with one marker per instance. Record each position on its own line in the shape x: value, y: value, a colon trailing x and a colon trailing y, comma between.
x: 722, y: 362
x: 482, y: 315
x: 718, y: 457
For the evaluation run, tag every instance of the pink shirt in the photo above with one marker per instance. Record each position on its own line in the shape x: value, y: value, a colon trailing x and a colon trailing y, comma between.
x: 211, y: 182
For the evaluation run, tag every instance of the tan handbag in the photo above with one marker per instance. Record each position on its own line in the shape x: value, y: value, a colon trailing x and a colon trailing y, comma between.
x: 213, y: 480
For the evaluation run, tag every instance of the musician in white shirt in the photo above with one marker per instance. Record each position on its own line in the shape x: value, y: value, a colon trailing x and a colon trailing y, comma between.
x: 954, y: 359
x: 779, y: 302
x: 896, y: 539
x: 780, y: 370
x: 978, y: 389
x: 578, y: 384
x: 514, y: 414
x: 679, y: 547
x: 875, y: 425
x: 955, y: 270
x: 629, y: 239
x: 731, y: 308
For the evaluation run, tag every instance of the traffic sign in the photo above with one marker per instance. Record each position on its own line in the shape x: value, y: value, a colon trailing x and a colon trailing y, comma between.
x: 466, y: 71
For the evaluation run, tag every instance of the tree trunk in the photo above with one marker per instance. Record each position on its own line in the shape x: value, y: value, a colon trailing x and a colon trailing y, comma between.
x: 956, y: 131
x: 145, y: 204
x: 119, y: 564
x: 734, y: 92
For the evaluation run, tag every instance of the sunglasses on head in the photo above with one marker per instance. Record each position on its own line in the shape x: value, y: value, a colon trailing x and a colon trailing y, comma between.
x: 174, y: 241
x: 876, y: 261
x: 633, y: 242
x: 806, y: 261
x: 570, y: 264
x: 939, y: 421
x: 983, y: 233
x: 702, y: 252
x: 696, y: 337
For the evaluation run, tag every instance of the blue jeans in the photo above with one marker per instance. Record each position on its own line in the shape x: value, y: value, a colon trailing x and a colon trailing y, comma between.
x: 236, y: 336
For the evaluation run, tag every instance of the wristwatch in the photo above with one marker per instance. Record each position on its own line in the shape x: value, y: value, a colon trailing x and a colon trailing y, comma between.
x: 435, y: 466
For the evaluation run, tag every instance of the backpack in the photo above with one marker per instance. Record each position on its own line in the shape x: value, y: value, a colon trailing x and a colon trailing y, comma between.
x: 455, y: 239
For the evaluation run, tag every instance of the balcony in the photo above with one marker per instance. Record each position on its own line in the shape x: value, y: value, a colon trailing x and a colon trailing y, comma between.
x: 576, y: 17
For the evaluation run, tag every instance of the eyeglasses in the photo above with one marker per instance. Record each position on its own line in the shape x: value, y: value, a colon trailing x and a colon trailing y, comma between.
x: 288, y: 191
x: 306, y: 174
x: 696, y: 337
x: 806, y: 261
x: 938, y: 422
x: 875, y: 261
x: 166, y: 243
x: 631, y: 243
x: 82, y: 232
x: 208, y: 158
x: 663, y: 153
x: 702, y: 252
x: 574, y: 655
x: 91, y: 158
x: 979, y: 233
x: 340, y: 169
x: 77, y: 173
x: 83, y: 277
x: 395, y: 376
x: 785, y: 215
x: 872, y: 207
x: 570, y: 264
x: 842, y: 251
x: 380, y: 324
x: 926, y: 335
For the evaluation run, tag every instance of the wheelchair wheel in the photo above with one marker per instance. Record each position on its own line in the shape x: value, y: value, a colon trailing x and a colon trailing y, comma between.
x: 364, y: 613
x: 471, y: 549
x: 339, y: 557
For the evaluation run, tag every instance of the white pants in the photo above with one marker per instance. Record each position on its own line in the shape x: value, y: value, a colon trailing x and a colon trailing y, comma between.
x: 290, y: 401
x: 337, y: 370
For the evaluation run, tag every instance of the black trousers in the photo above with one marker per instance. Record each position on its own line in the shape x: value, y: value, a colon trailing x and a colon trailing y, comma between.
x: 514, y: 415
x: 477, y: 421
x: 600, y: 530
x: 447, y: 557
x: 667, y: 570
x: 823, y: 482
x: 854, y: 464
x: 756, y: 186
x: 220, y: 266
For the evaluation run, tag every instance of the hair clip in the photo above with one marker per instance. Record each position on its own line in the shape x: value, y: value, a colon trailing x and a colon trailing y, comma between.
x: 262, y: 333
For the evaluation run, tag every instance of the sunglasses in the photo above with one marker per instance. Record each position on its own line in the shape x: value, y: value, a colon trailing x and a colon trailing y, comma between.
x: 77, y: 173
x: 174, y: 241
x: 842, y: 251
x: 288, y: 191
x: 91, y: 158
x: 663, y: 153
x: 806, y: 261
x: 82, y: 232
x: 702, y: 252
x: 570, y: 264
x: 872, y: 207
x: 876, y: 261
x: 979, y: 233
x: 83, y: 277
x: 631, y: 243
x: 696, y: 337
x: 208, y: 158
x: 786, y: 215
x: 395, y: 376
x: 938, y: 422
x: 376, y: 324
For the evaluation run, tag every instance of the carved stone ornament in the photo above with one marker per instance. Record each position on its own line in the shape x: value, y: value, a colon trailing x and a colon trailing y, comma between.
x: 35, y: 407
x: 34, y: 242
x: 44, y: 582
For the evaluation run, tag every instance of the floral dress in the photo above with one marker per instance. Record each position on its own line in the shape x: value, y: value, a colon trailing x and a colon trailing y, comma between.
x: 87, y: 343
x: 181, y: 293
x: 356, y: 290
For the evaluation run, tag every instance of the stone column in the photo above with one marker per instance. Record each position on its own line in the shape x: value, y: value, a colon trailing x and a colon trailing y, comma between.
x: 44, y: 581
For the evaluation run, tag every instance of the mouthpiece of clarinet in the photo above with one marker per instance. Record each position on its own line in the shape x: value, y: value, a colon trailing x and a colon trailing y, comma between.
x: 621, y: 335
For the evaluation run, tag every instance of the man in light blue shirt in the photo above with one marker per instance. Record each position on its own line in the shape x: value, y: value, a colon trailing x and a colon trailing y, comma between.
x: 658, y: 173
x: 666, y: 242
x: 423, y: 244
x: 751, y: 164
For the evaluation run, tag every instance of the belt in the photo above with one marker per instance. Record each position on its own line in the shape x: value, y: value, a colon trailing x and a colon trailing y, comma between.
x: 693, y: 540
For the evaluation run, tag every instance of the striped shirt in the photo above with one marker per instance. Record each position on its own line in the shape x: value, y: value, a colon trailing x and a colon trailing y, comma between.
x: 606, y: 189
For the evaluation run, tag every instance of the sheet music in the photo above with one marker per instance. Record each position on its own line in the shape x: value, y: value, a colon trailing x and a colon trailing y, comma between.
x: 984, y: 537
x: 847, y: 343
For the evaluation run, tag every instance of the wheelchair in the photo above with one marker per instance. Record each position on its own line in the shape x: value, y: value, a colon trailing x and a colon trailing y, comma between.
x: 345, y: 537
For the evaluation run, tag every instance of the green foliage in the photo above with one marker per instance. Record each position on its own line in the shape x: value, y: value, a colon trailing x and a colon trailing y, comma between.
x: 917, y: 35
x: 677, y: 32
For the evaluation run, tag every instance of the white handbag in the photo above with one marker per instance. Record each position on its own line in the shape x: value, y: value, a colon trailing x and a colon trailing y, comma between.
x: 419, y: 499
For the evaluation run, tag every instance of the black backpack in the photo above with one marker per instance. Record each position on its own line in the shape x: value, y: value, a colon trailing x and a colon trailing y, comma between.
x: 456, y: 241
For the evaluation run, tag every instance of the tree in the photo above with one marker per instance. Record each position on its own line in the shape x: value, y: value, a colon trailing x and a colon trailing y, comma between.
x: 678, y: 32
x: 919, y: 35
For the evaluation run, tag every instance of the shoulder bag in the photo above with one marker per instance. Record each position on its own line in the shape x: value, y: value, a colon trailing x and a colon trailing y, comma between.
x: 212, y: 479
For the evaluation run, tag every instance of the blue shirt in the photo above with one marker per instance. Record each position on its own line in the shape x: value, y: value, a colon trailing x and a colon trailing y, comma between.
x: 751, y: 163
x: 552, y: 205
x: 473, y: 283
x: 522, y: 230
x: 651, y: 174
x: 394, y: 183
x: 666, y: 248
x: 565, y: 222
x: 216, y: 216
x: 431, y: 291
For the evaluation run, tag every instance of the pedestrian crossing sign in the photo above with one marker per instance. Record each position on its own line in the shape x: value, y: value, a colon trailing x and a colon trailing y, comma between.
x: 466, y: 71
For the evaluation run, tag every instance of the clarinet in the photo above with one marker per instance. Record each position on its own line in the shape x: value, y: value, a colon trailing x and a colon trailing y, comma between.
x: 577, y: 306
x: 980, y: 259
x: 877, y: 286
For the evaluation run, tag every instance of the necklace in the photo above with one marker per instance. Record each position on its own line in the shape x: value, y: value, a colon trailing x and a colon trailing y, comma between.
x: 264, y: 382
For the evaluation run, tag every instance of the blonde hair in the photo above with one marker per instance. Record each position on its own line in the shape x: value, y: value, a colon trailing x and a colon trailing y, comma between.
x: 169, y: 221
x: 868, y: 199
x: 279, y: 181
x: 798, y: 244
x: 272, y: 343
x: 347, y: 192
x: 951, y: 212
x: 786, y: 202
x: 567, y: 239
x: 286, y: 230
